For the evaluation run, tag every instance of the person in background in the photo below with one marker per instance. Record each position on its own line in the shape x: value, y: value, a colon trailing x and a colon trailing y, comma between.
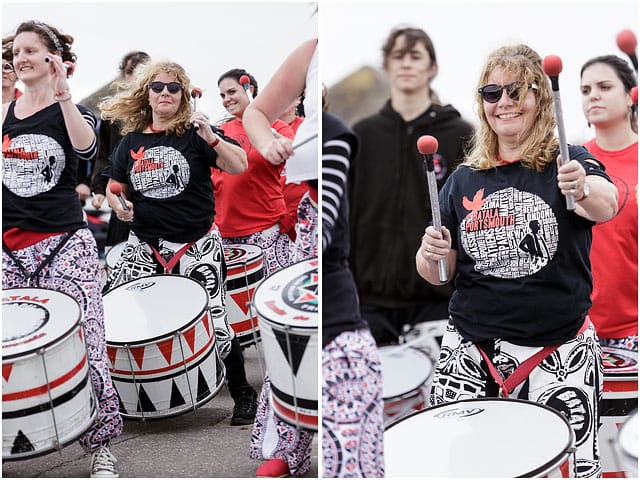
x: 9, y: 77
x: 109, y: 136
x: 520, y: 258
x: 43, y: 230
x: 388, y: 195
x: 285, y: 449
x: 606, y: 84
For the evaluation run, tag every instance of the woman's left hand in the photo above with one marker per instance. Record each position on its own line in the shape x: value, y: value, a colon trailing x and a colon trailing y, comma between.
x: 571, y: 178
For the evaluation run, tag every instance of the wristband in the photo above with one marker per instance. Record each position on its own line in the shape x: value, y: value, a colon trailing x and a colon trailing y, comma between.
x: 215, y: 142
x: 62, y: 96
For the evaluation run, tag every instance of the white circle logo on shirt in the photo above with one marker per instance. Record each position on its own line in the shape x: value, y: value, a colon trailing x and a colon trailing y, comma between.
x: 510, y: 233
x: 159, y: 172
x: 31, y: 164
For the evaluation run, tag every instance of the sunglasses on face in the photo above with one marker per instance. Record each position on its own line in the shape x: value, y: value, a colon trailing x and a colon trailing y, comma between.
x: 172, y: 87
x: 492, y: 93
x: 8, y: 68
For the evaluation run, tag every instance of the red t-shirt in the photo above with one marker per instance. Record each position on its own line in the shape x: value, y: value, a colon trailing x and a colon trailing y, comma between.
x: 614, y: 251
x: 253, y: 200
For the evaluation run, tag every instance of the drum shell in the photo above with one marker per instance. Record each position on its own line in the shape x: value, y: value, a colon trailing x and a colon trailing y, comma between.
x: 245, y: 271
x: 619, y: 401
x: 47, y: 390
x: 286, y: 303
x: 168, y: 374
x: 480, y: 438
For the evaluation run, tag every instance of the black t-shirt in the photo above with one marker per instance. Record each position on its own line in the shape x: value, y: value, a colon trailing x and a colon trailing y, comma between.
x: 39, y: 172
x: 523, y: 272
x: 169, y: 180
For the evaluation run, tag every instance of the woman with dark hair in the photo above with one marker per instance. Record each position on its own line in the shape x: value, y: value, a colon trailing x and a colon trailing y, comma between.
x: 606, y: 84
x: 43, y: 230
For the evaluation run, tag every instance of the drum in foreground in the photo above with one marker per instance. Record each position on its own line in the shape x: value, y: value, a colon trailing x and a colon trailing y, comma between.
x: 47, y: 397
x: 405, y: 373
x: 162, y: 347
x: 628, y: 446
x: 287, y: 306
x: 244, y: 272
x: 488, y: 437
x: 619, y: 401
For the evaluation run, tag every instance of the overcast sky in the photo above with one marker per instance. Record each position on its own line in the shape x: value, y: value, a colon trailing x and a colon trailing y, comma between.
x: 464, y: 33
x: 206, y: 38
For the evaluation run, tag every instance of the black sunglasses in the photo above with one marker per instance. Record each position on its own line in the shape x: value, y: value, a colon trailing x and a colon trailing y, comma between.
x: 8, y: 68
x: 492, y: 93
x: 158, y: 87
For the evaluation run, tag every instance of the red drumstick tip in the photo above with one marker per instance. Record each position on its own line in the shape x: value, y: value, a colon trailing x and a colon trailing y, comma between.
x: 244, y: 80
x: 552, y: 65
x: 627, y: 41
x: 427, y: 145
x: 115, y: 188
x: 196, y: 92
x: 634, y: 94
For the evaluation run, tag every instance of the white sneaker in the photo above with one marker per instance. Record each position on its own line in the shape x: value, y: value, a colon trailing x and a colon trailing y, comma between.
x: 103, y: 464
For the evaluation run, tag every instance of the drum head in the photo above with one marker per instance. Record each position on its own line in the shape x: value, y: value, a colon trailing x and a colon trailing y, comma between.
x: 290, y: 296
x: 34, y: 318
x: 240, y: 253
x: 114, y: 254
x: 628, y: 442
x: 497, y: 438
x: 151, y: 308
x: 404, y: 370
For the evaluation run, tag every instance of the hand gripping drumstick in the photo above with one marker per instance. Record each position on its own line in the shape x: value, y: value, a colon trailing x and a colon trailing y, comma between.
x: 552, y: 66
x: 68, y: 65
x: 195, y: 94
x: 627, y: 42
x: 427, y: 146
x: 116, y: 189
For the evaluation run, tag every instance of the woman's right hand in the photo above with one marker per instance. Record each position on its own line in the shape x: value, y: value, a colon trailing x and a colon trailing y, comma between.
x: 122, y: 214
x: 435, y: 245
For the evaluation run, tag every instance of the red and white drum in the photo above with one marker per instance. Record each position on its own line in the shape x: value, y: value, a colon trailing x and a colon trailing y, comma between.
x: 113, y: 255
x: 47, y: 397
x: 287, y: 306
x: 619, y: 401
x: 628, y: 446
x: 162, y: 348
x: 244, y: 272
x: 487, y: 437
x: 405, y: 375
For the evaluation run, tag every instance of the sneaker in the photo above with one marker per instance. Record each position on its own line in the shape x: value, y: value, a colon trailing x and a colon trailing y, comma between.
x: 246, y: 405
x: 103, y: 464
x: 274, y: 468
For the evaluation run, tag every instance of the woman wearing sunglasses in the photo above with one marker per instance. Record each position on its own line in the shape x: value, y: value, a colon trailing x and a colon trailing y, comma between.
x: 519, y: 258
x: 163, y: 163
x: 46, y: 242
x: 606, y: 84
x: 9, y: 77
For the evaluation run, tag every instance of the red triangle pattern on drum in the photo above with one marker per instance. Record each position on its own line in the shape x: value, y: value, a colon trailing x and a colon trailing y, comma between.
x: 190, y: 337
x: 242, y: 300
x: 138, y: 355
x: 205, y: 322
x: 111, y: 353
x: 6, y: 371
x: 166, y: 349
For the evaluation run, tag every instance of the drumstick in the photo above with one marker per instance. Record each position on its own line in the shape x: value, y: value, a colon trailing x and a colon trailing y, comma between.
x: 552, y: 66
x: 116, y: 189
x: 195, y: 94
x: 68, y: 65
x: 634, y: 94
x: 306, y: 140
x: 627, y: 42
x: 246, y: 84
x: 427, y: 146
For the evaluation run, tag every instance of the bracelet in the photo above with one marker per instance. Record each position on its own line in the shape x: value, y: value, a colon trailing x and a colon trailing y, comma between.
x: 59, y: 96
x: 215, y: 142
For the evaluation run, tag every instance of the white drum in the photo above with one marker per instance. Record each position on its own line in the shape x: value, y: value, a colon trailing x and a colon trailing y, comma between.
x: 628, y: 446
x: 245, y: 271
x: 287, y: 306
x: 488, y: 437
x: 113, y: 255
x: 619, y: 401
x: 47, y: 396
x: 162, y: 347
x: 405, y: 374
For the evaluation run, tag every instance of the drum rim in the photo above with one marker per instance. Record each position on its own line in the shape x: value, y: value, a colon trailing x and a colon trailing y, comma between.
x: 262, y: 282
x: 34, y: 351
x: 554, y: 461
x: 153, y: 340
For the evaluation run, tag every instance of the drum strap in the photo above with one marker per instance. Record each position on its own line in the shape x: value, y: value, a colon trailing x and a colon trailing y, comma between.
x: 30, y: 276
x: 521, y: 373
x: 169, y: 266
